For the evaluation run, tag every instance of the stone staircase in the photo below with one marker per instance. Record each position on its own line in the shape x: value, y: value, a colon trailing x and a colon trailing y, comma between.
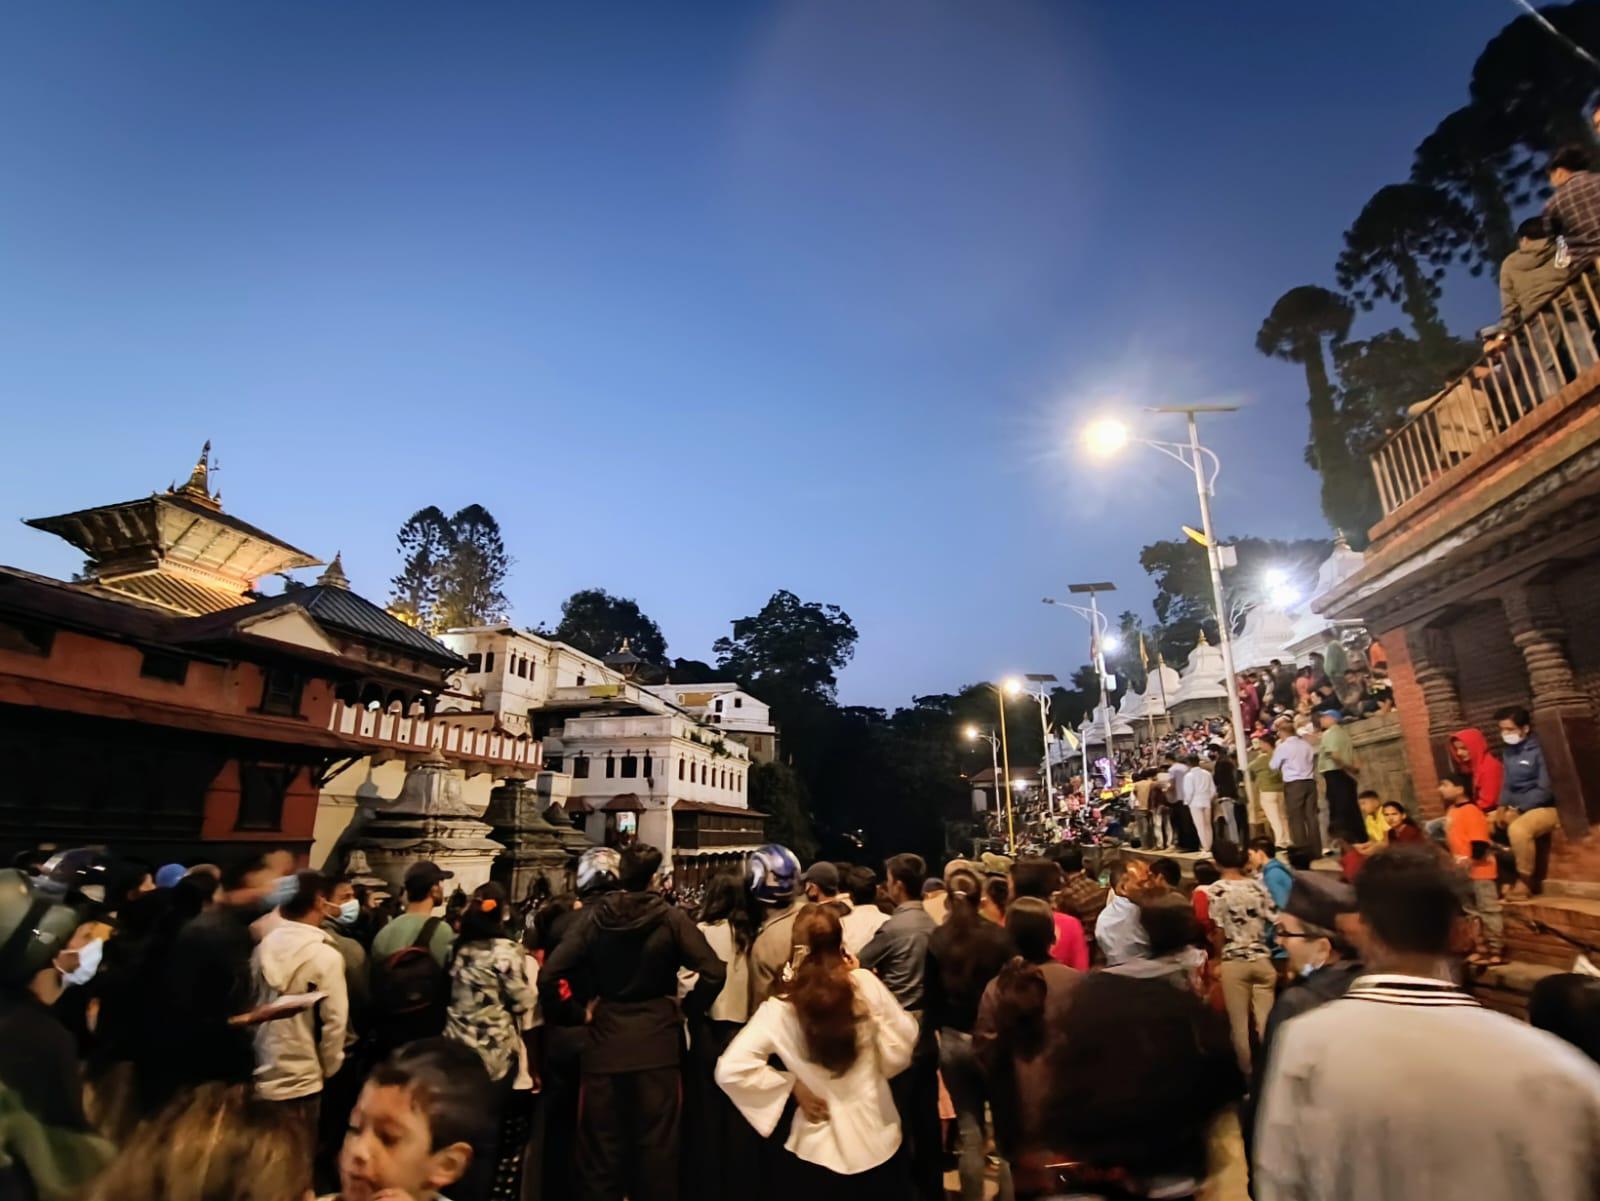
x: 1537, y: 949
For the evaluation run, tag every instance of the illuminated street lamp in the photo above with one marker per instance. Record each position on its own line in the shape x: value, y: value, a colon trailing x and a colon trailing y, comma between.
x: 1101, y: 640
x: 1009, y: 687
x: 1106, y: 437
x: 973, y: 733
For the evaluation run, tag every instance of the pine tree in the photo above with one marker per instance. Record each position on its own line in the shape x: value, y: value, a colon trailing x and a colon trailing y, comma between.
x: 426, y: 542
x: 470, y: 591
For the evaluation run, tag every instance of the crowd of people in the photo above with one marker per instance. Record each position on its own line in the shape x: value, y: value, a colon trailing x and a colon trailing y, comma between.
x: 1035, y: 1027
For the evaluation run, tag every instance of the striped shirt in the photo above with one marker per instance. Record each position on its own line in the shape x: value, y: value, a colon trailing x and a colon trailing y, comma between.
x: 1407, y: 1088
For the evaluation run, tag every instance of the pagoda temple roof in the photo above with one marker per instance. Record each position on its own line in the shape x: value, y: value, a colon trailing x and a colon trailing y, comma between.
x: 338, y: 608
x: 181, y: 534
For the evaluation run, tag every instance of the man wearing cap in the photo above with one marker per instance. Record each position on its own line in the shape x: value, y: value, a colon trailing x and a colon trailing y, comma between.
x: 1321, y: 957
x: 424, y: 887
x: 821, y: 883
x: 1336, y: 764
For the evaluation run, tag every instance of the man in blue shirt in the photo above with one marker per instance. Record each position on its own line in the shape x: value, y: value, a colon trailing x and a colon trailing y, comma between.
x: 1526, y: 798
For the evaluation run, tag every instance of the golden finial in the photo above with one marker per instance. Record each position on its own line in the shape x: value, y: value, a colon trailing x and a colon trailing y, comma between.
x: 198, y: 486
x: 334, y: 576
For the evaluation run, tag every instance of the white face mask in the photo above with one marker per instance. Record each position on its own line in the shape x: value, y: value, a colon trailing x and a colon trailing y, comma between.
x: 1512, y: 739
x: 88, y: 963
x: 348, y: 912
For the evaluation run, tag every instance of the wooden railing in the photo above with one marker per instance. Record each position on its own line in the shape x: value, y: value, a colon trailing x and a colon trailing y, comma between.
x: 1526, y: 366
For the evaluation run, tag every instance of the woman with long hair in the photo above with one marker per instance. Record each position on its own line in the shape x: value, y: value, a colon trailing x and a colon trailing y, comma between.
x: 840, y: 1035
x: 964, y: 954
x: 214, y: 1143
x: 490, y: 1001
x: 721, y: 1152
x: 1019, y: 1019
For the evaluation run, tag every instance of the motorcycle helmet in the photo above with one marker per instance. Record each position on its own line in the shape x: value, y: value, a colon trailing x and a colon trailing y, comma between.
x: 599, y: 869
x: 33, y: 928
x: 772, y: 874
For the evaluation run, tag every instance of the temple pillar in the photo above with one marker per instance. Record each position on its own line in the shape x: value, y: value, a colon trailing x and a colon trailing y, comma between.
x: 1563, y: 717
x: 1433, y: 667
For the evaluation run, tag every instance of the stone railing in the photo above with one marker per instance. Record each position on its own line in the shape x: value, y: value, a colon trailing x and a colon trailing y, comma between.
x: 447, y: 733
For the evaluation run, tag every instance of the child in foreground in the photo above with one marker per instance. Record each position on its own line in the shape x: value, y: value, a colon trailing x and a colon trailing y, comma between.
x: 416, y: 1126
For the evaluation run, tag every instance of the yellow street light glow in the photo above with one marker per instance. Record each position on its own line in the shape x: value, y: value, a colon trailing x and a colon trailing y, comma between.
x: 1013, y: 686
x: 1106, y: 436
x: 971, y: 733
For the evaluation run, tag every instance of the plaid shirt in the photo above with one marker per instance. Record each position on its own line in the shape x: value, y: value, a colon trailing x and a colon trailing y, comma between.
x: 1085, y: 898
x: 1574, y: 213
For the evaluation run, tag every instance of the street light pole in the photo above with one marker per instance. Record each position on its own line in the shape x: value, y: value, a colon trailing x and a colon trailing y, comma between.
x: 1005, y: 753
x: 1241, y: 748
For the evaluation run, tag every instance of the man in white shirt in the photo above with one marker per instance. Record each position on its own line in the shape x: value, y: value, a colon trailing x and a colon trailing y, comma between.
x: 1200, y: 794
x: 1294, y: 759
x: 864, y: 918
x: 1481, y: 1104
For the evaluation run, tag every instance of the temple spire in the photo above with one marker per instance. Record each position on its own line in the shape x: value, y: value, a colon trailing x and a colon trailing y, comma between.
x: 198, y: 486
x: 334, y: 576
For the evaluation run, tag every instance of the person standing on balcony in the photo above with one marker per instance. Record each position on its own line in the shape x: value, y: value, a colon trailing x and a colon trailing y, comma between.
x: 1526, y: 796
x: 1573, y: 213
x: 1529, y: 275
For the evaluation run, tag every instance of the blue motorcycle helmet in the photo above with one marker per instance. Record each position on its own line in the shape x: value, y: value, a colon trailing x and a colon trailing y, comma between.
x: 772, y: 874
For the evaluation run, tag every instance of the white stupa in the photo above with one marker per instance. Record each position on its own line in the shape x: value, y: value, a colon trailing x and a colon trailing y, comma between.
x: 1202, y: 686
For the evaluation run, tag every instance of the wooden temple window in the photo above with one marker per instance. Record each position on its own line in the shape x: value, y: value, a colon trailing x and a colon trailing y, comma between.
x: 262, y: 787
x: 160, y: 665
x: 580, y: 768
x: 474, y: 663
x: 280, y: 695
x: 26, y: 637
x: 630, y: 767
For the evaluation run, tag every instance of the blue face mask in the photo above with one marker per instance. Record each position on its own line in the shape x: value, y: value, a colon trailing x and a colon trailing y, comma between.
x: 283, y: 889
x: 348, y: 912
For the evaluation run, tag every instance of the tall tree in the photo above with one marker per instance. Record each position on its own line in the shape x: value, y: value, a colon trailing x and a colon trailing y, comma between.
x: 1539, y: 90
x: 598, y: 624
x: 471, y: 592
x: 791, y: 645
x: 1302, y: 320
x: 426, y: 541
x: 777, y: 790
x: 1398, y: 248
x: 1469, y: 156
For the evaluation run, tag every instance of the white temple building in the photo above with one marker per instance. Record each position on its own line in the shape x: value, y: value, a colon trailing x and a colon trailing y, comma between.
x: 1203, y: 686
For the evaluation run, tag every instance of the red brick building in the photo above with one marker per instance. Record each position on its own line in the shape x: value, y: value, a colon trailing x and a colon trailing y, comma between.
x: 1482, y: 580
x: 162, y: 706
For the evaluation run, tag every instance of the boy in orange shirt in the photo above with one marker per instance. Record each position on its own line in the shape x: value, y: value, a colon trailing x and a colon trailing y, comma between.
x: 1467, y: 835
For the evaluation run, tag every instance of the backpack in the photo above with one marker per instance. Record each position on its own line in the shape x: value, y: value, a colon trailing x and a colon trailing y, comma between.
x: 410, y: 991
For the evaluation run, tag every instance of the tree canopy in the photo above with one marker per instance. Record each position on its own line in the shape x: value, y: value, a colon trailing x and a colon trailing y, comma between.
x: 598, y: 624
x: 453, y: 570
x: 792, y: 646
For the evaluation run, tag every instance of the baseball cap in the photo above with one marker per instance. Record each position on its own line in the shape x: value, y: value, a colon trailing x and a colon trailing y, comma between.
x: 1320, y: 898
x: 823, y: 874
x: 169, y: 875
x: 426, y: 874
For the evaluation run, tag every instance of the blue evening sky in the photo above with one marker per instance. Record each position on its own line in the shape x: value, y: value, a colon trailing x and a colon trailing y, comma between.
x: 702, y: 300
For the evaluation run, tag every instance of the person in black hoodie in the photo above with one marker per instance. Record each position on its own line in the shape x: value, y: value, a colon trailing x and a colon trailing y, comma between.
x: 622, y: 960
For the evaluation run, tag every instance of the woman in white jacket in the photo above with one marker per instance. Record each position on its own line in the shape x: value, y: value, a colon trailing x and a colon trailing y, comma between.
x: 840, y: 1036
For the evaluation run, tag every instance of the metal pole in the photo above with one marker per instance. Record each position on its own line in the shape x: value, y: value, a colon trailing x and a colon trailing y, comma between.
x: 994, y: 757
x: 1049, y: 779
x: 1241, y: 749
x: 1005, y: 753
x: 1100, y: 666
